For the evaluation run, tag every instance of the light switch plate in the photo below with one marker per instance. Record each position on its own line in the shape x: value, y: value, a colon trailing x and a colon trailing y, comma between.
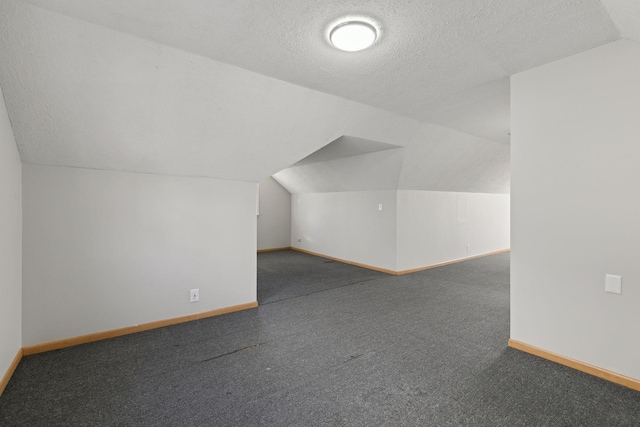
x: 613, y: 284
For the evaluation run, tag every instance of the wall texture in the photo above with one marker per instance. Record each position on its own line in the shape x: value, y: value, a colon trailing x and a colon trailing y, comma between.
x: 103, y: 99
x: 104, y: 250
x: 441, y: 159
x: 365, y: 172
x: 435, y: 158
x: 10, y: 243
x: 108, y: 100
x: 436, y: 227
x: 274, y: 221
x: 575, y: 206
x: 414, y: 229
x: 347, y: 225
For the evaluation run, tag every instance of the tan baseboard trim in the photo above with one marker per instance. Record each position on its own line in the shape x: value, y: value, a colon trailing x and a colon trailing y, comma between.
x: 399, y: 273
x: 576, y: 364
x: 286, y: 248
x: 12, y: 368
x: 357, y: 264
x: 69, y: 342
x: 442, y: 264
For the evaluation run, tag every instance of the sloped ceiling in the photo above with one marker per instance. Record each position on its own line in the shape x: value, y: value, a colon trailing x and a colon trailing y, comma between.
x: 242, y: 89
x: 372, y: 171
x: 435, y: 158
x: 87, y: 96
x: 428, y: 50
x: 345, y: 146
x: 625, y: 14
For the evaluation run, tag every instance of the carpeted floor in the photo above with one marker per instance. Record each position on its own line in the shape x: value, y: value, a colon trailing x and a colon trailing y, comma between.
x: 331, y: 345
x: 290, y: 274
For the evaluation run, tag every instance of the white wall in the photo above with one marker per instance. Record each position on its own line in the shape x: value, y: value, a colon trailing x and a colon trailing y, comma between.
x: 274, y: 221
x: 415, y: 228
x: 10, y: 243
x: 104, y: 250
x: 434, y: 158
x: 347, y: 225
x: 575, y: 204
x: 442, y: 159
x: 365, y: 172
x: 436, y: 227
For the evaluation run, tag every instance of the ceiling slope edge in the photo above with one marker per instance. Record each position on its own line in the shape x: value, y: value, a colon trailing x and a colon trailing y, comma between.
x: 81, y: 95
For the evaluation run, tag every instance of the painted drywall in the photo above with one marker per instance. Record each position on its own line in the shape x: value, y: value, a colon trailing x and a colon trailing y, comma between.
x: 436, y: 227
x: 107, y: 100
x: 10, y: 243
x: 365, y: 172
x: 442, y: 159
x: 87, y: 96
x: 575, y: 205
x: 274, y: 220
x: 427, y: 54
x: 435, y: 158
x: 347, y: 225
x: 105, y: 249
x: 345, y: 146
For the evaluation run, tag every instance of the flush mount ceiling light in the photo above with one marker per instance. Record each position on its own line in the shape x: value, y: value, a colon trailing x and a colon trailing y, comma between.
x: 352, y: 36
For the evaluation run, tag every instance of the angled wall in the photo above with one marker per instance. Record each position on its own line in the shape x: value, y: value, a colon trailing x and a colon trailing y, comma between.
x: 347, y: 225
x: 104, y: 249
x: 83, y: 95
x: 119, y: 119
x: 365, y: 172
x: 274, y: 218
x: 450, y: 193
x: 10, y: 244
x: 437, y: 158
x: 575, y: 207
x: 435, y: 227
x: 85, y: 98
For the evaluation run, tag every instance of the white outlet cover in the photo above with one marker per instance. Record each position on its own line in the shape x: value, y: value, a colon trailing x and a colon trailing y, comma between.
x: 194, y: 295
x: 613, y: 284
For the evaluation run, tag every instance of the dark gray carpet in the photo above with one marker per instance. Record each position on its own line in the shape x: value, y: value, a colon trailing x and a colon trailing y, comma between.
x: 296, y: 274
x: 426, y: 349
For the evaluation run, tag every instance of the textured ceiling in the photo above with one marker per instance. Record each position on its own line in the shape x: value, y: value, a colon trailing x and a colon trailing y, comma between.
x: 83, y: 95
x: 365, y: 172
x: 435, y: 158
x: 240, y: 89
x: 625, y: 14
x: 428, y: 64
x: 345, y: 146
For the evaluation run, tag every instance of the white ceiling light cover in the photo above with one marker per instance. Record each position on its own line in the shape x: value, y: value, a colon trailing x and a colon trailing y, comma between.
x: 352, y: 36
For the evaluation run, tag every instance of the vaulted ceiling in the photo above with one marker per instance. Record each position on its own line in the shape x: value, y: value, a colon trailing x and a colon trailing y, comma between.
x: 239, y: 89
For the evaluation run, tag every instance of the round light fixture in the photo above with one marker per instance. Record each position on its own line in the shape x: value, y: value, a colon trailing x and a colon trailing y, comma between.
x: 353, y: 36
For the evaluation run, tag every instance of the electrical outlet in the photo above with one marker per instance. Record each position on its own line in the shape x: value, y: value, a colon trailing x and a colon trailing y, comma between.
x: 194, y: 295
x: 299, y: 240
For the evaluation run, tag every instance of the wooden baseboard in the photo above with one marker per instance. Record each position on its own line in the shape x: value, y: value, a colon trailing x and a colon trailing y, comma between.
x: 286, y: 248
x: 401, y: 272
x: 576, y: 364
x: 83, y: 339
x: 12, y: 368
x: 442, y: 264
x: 357, y: 264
